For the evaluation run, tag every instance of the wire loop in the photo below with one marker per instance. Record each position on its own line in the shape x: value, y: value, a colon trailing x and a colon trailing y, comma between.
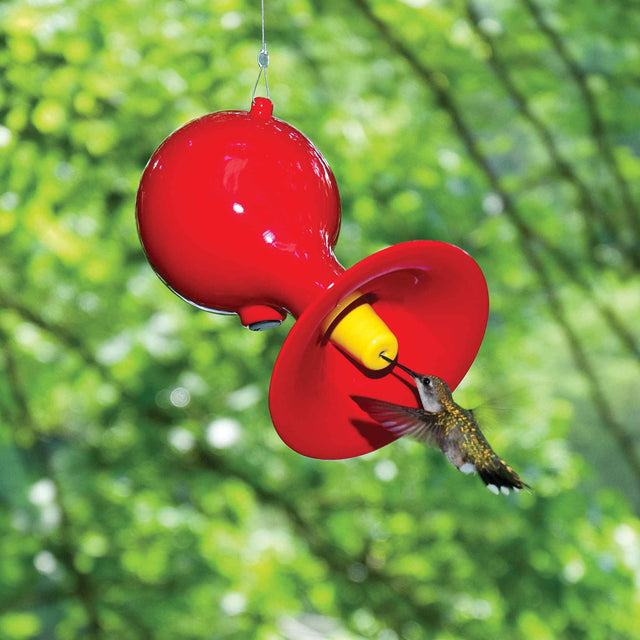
x: 263, y: 61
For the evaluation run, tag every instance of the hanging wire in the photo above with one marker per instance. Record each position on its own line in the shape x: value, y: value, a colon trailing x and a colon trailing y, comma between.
x: 263, y: 61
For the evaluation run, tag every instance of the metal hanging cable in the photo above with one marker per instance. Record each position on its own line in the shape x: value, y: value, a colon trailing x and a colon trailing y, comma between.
x: 263, y: 61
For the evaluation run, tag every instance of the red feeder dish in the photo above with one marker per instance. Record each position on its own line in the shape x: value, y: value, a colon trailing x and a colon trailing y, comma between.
x: 238, y: 212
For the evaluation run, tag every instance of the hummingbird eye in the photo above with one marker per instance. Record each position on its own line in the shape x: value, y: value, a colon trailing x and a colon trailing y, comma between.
x: 426, y: 381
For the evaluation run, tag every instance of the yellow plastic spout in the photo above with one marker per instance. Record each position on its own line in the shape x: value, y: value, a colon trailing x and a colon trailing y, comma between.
x: 361, y: 333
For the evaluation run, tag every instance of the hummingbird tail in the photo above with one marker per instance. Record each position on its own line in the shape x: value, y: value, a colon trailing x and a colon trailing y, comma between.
x: 500, y: 477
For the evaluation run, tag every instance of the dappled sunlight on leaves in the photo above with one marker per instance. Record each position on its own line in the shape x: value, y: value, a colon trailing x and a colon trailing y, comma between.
x: 144, y: 492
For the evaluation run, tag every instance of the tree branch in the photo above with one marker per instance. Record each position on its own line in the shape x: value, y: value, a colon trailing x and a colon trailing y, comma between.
x: 336, y: 559
x: 85, y: 589
x: 75, y: 345
x: 597, y: 123
x: 621, y: 437
x: 61, y: 333
x: 446, y: 101
x: 527, y: 239
x: 143, y: 631
x: 594, y: 213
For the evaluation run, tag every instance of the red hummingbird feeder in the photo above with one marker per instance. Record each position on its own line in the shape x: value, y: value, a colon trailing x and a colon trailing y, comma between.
x: 238, y: 212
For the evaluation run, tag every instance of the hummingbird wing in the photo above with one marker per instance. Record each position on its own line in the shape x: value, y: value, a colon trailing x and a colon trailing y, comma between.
x: 402, y: 421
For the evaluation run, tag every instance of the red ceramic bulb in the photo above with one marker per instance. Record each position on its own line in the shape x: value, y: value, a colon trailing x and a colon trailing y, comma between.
x: 238, y: 212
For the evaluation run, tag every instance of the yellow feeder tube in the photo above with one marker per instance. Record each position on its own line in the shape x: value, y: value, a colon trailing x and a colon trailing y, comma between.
x: 361, y: 333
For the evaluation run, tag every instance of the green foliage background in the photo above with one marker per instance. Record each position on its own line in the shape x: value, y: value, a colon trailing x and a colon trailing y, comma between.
x: 144, y: 492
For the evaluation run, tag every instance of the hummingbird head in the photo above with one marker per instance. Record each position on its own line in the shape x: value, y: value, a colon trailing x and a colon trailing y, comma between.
x: 433, y: 390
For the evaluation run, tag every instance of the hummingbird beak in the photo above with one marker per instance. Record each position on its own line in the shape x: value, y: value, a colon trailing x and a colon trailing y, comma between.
x: 413, y: 374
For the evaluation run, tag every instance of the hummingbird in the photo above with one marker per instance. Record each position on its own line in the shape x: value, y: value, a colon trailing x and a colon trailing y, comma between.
x: 445, y: 424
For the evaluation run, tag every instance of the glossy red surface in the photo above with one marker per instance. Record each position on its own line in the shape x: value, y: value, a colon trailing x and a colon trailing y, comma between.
x: 238, y: 212
x: 431, y: 295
